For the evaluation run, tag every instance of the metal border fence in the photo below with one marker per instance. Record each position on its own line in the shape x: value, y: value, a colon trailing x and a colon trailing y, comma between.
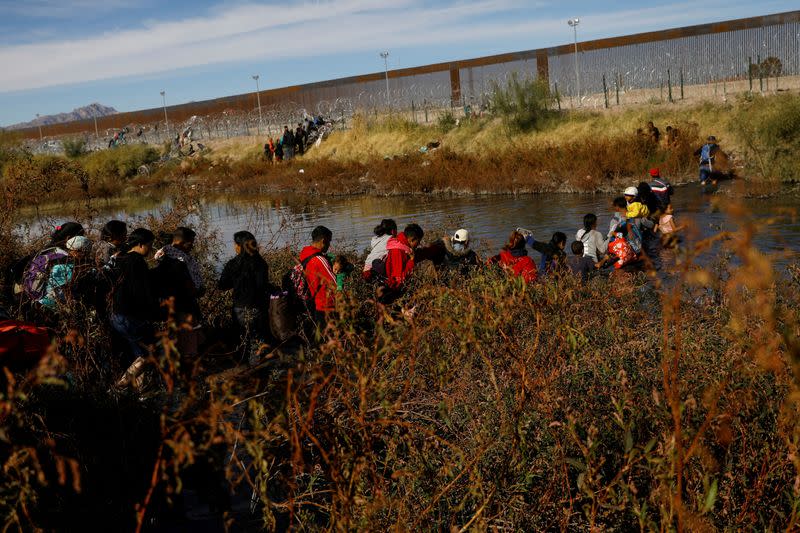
x: 708, y: 59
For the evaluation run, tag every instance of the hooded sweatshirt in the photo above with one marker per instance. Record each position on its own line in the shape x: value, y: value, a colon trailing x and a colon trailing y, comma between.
x: 399, y: 262
x: 377, y: 250
x: 519, y: 263
x: 320, y: 279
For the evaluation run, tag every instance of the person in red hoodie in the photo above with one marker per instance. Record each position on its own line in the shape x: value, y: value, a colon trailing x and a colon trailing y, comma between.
x: 399, y: 262
x: 515, y: 260
x: 319, y: 273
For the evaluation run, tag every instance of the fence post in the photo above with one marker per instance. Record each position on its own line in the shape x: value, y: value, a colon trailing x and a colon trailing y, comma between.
x: 616, y: 85
x: 681, y: 83
x: 413, y: 111
x: 661, y: 90
x: 558, y: 97
x: 669, y: 86
x: 750, y: 72
x: 425, y: 103
x: 760, y: 75
x: 605, y: 91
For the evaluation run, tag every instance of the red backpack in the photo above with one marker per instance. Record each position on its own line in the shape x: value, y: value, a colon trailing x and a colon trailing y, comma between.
x: 22, y: 345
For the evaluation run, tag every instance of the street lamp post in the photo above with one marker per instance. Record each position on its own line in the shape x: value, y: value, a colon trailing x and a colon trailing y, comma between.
x: 164, y: 103
x: 40, y: 126
x: 258, y: 98
x: 574, y: 24
x: 96, y: 131
x: 385, y: 56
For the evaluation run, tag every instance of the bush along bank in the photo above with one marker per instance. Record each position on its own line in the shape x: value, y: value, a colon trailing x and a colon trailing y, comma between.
x: 616, y: 404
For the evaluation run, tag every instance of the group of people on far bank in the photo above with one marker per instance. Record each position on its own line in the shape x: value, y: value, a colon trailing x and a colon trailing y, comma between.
x: 292, y: 142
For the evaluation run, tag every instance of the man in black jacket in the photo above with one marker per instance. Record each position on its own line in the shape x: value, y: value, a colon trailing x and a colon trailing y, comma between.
x: 134, y: 306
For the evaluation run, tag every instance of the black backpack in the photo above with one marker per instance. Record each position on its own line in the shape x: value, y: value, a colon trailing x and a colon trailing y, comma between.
x: 290, y: 305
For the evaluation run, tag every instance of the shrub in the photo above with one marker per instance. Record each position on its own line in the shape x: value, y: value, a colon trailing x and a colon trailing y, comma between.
x: 769, y: 129
x: 525, y: 104
x: 74, y: 147
x: 446, y: 121
x: 121, y: 162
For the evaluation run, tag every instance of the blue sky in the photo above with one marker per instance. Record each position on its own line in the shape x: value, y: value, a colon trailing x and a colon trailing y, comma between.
x: 56, y: 55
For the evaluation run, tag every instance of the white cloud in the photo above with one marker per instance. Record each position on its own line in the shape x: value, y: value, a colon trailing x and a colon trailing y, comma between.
x: 250, y: 32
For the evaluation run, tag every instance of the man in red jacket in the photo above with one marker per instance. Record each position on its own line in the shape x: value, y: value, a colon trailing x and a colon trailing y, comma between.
x: 319, y: 274
x: 399, y: 261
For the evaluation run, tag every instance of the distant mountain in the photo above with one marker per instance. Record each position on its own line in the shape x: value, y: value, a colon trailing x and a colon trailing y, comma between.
x: 89, y: 111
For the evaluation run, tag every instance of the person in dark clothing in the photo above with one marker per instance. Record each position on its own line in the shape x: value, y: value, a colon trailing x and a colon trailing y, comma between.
x: 300, y: 137
x: 580, y: 265
x: 133, y: 300
x: 112, y: 236
x: 648, y: 198
x: 287, y: 141
x: 553, y: 255
x: 177, y: 277
x: 247, y: 275
x: 653, y: 133
x: 661, y: 188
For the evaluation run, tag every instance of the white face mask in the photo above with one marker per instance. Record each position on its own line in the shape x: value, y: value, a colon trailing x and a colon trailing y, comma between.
x: 459, y: 247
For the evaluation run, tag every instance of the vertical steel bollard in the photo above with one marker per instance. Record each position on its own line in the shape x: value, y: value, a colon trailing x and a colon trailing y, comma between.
x: 681, y: 83
x: 669, y: 86
x: 605, y: 91
x: 750, y: 72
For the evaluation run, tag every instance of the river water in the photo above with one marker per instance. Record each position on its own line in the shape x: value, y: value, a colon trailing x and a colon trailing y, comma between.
x: 279, y: 220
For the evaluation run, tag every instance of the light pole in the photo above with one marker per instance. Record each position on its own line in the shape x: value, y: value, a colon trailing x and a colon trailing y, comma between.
x: 574, y: 23
x: 164, y: 102
x: 258, y: 98
x: 96, y: 132
x: 385, y: 56
x: 40, y: 126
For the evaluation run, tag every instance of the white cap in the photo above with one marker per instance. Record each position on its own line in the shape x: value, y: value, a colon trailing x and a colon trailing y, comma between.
x: 631, y: 191
x: 461, y: 235
x: 78, y: 244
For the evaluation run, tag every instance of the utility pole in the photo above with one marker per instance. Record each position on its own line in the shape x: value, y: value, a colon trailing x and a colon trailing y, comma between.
x: 574, y: 24
x: 40, y: 126
x: 258, y: 98
x: 164, y: 102
x: 96, y: 131
x: 385, y: 56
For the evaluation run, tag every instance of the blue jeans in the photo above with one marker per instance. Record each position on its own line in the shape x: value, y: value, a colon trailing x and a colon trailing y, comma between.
x: 138, y: 334
x: 705, y: 173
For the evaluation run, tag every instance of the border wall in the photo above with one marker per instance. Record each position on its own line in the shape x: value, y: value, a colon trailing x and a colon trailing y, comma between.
x: 743, y: 50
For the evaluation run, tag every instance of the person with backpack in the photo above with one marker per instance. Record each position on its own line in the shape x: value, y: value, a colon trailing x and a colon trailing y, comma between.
x: 112, y: 236
x: 594, y: 245
x: 707, y: 153
x: 247, y: 275
x: 134, y: 306
x: 68, y: 275
x: 319, y: 275
x: 31, y: 273
x: 177, y: 276
x: 383, y: 232
x: 392, y: 273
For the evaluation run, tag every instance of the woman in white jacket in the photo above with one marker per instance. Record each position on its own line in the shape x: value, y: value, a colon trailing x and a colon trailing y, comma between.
x: 383, y: 232
x: 594, y: 245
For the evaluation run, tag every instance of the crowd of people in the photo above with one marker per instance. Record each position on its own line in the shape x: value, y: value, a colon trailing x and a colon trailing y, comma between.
x: 113, y: 278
